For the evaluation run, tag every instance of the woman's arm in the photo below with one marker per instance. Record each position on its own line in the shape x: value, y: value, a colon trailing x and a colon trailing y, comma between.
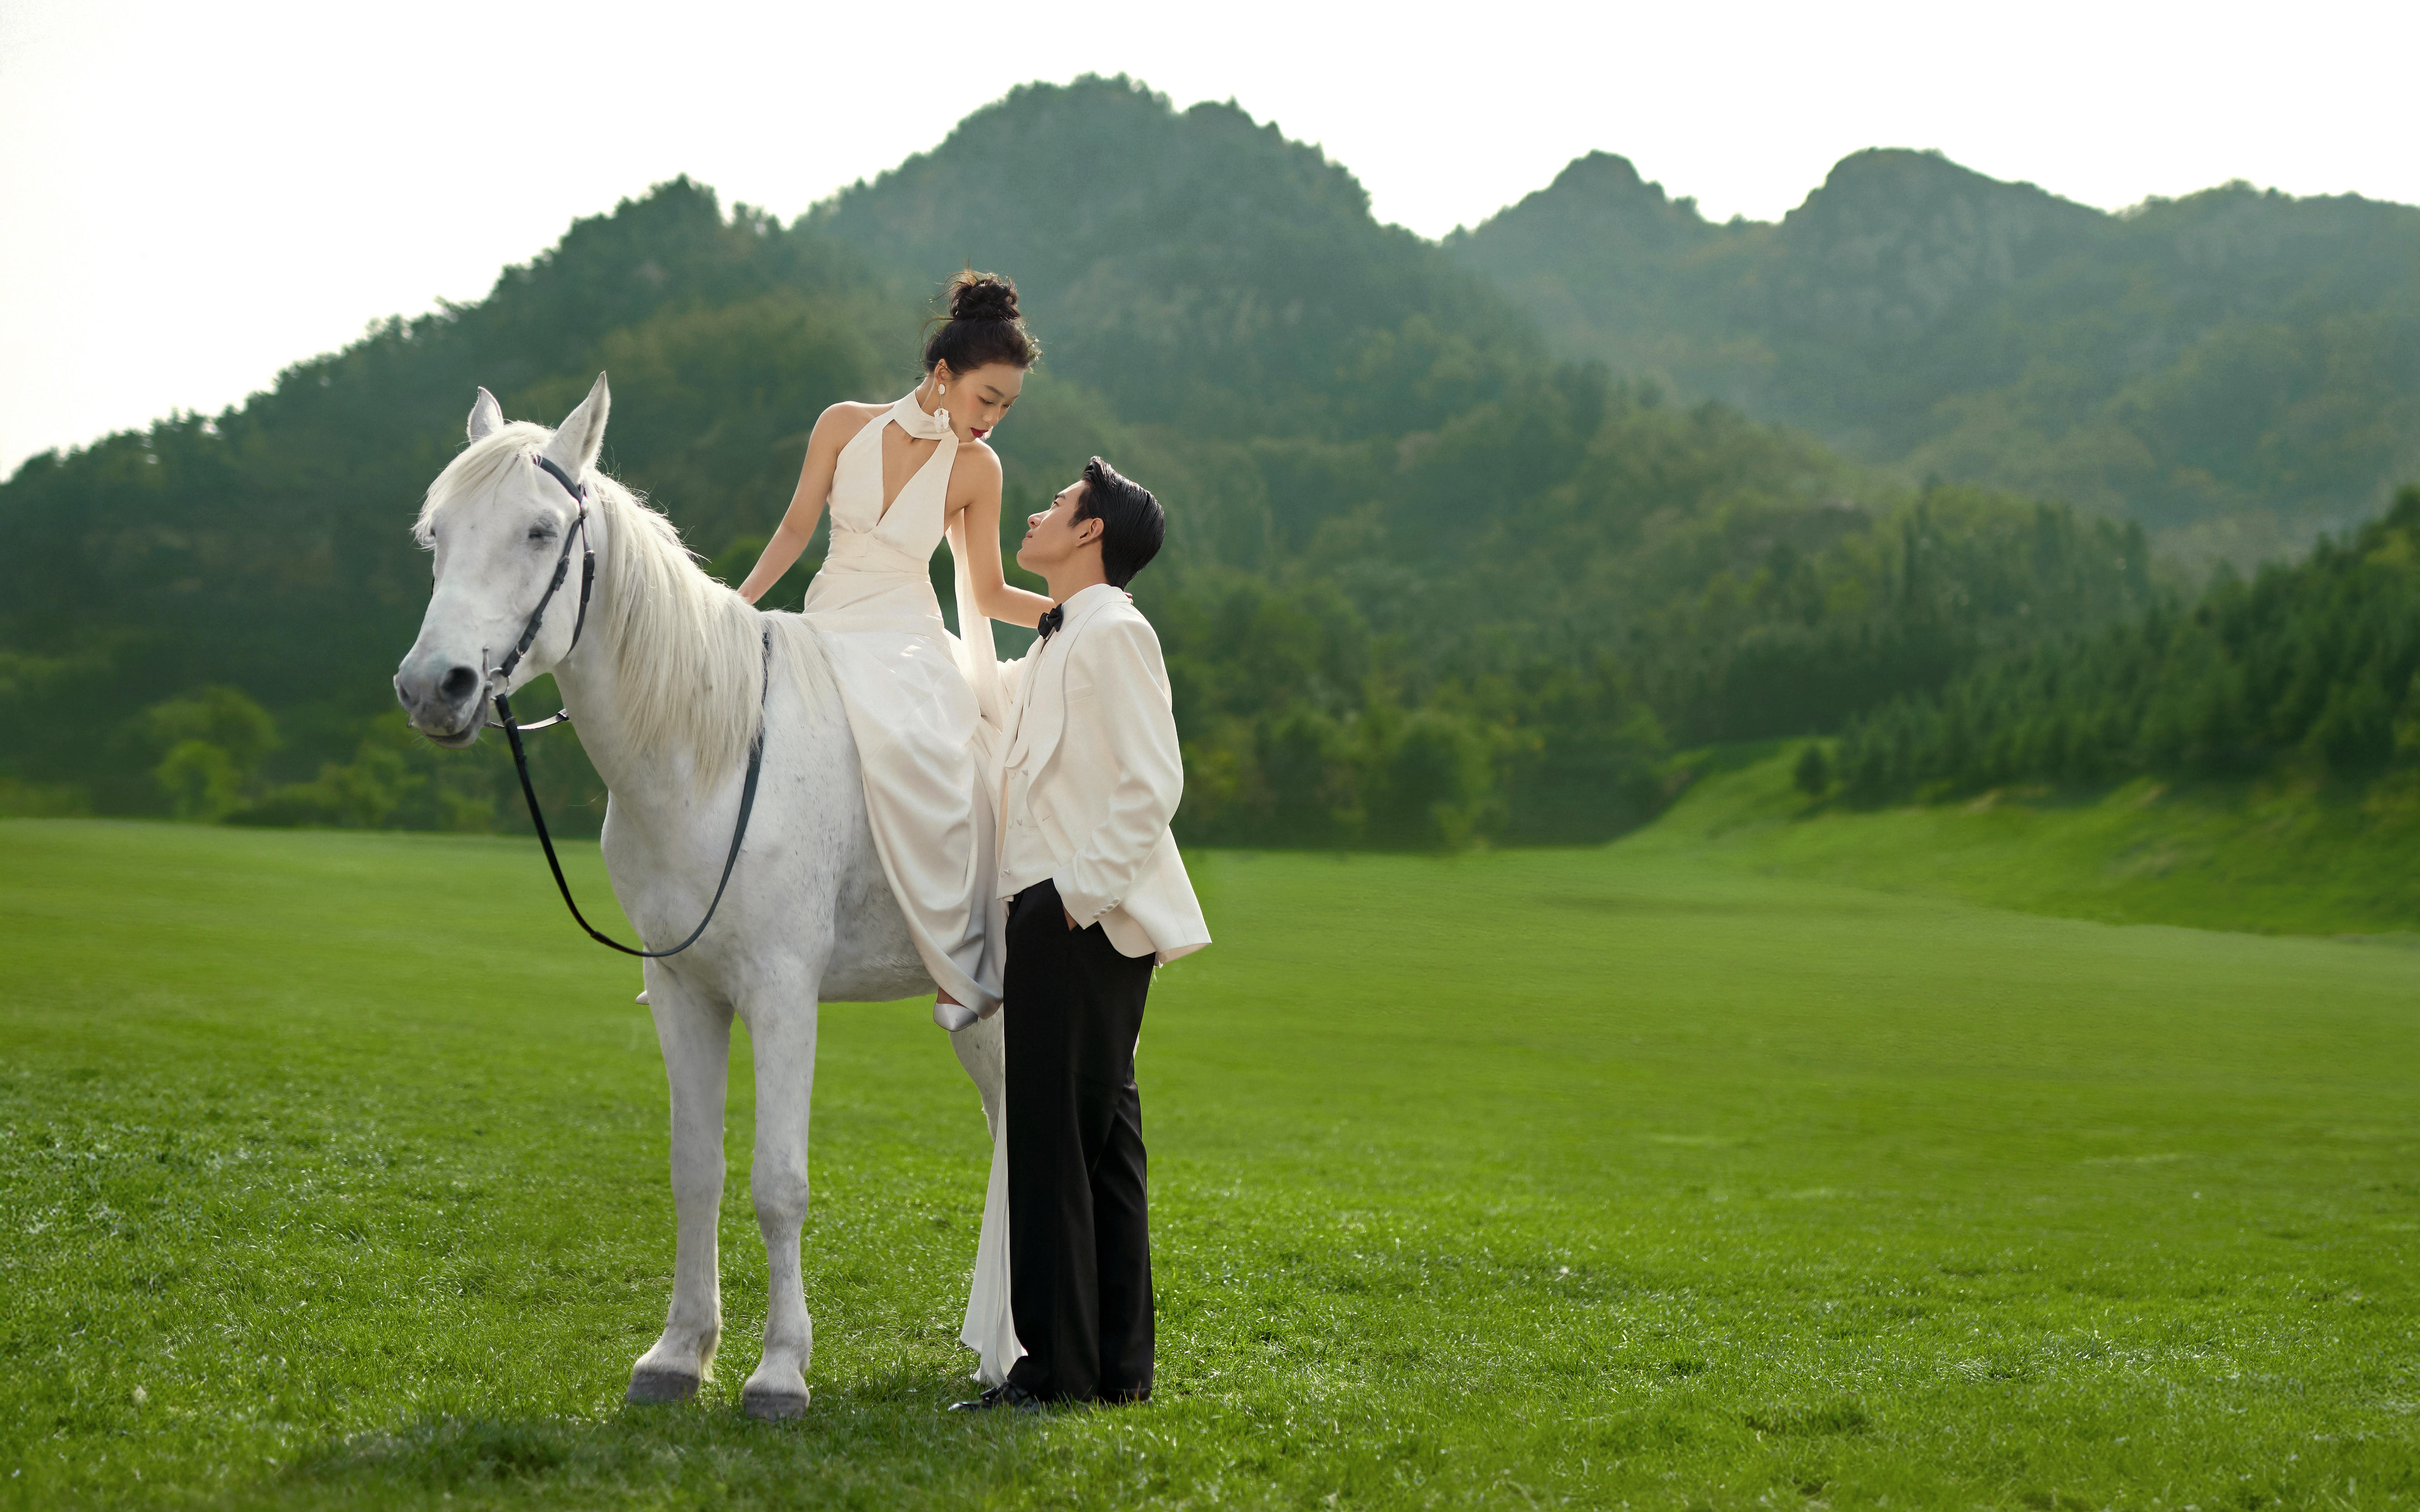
x: 994, y: 596
x: 832, y: 431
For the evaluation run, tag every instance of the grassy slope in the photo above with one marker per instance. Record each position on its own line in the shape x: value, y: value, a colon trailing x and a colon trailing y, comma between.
x: 2275, y: 859
x: 331, y: 1173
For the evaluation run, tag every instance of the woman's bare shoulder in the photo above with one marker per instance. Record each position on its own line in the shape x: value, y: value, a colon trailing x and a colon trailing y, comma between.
x: 846, y: 419
x: 976, y: 465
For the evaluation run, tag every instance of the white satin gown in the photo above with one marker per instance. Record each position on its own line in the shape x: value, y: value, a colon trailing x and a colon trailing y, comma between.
x: 926, y: 710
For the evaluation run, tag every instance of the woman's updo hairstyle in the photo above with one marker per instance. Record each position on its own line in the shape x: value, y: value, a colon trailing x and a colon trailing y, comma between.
x: 981, y: 328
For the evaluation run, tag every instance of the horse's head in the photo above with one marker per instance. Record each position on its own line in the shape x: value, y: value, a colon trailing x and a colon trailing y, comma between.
x: 498, y: 524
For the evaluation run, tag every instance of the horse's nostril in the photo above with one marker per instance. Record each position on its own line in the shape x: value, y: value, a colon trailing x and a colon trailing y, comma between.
x: 459, y: 683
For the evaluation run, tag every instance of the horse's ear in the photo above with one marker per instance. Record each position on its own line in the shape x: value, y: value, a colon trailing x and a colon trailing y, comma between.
x: 582, y: 435
x: 487, y: 416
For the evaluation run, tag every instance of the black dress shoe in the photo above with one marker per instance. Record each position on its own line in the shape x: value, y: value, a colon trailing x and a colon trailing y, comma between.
x: 1014, y: 1397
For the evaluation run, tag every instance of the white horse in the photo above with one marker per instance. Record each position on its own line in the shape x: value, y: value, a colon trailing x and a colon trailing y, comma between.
x: 664, y: 689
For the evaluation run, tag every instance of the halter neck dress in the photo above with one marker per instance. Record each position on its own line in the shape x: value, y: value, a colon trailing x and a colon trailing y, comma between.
x: 923, y: 705
x: 926, y: 709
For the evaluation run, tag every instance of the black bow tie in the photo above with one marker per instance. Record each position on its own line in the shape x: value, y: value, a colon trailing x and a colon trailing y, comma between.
x: 1052, y: 620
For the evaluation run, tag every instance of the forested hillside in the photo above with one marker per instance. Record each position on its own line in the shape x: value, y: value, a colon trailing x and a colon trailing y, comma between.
x: 2302, y: 674
x: 2235, y: 370
x: 1432, y: 585
x: 1425, y: 585
x: 265, y: 553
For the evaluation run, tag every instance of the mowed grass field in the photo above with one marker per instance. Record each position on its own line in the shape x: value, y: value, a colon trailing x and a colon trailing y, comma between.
x: 2268, y: 857
x: 332, y: 1174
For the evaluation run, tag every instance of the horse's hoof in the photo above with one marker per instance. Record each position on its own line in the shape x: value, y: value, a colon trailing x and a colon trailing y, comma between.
x: 773, y: 1406
x: 658, y: 1388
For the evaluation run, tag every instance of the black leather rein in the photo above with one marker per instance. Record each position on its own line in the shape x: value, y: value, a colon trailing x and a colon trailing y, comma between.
x: 512, y: 728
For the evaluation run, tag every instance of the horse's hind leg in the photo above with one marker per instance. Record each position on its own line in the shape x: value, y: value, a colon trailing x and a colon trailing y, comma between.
x: 696, y: 1038
x: 782, y: 1034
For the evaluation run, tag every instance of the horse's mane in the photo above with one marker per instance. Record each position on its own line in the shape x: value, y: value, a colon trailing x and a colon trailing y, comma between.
x: 686, y: 650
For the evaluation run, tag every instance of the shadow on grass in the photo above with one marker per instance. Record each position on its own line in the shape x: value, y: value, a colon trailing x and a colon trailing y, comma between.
x: 886, y: 1442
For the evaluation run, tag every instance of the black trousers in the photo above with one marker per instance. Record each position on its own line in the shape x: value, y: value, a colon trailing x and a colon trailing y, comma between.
x: 1079, y: 1237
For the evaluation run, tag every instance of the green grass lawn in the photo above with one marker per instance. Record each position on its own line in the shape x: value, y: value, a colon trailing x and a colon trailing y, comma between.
x: 2268, y: 857
x: 331, y: 1173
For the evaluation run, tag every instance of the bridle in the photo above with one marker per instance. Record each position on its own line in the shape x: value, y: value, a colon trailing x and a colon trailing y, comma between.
x: 501, y: 673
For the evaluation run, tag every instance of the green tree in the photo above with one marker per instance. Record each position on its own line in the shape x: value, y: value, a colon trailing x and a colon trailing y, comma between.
x: 213, y: 741
x: 2307, y: 669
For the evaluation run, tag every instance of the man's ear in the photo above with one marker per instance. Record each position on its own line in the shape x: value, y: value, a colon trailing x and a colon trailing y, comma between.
x: 1089, y: 529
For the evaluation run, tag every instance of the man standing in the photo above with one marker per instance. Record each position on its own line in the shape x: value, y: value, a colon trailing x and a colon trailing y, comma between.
x: 1098, y: 895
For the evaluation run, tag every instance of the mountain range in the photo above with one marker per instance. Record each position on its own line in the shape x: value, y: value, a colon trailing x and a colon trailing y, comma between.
x: 2237, y: 369
x: 1467, y: 537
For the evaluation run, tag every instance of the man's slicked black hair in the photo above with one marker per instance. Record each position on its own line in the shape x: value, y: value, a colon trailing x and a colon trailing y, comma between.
x: 1132, y: 523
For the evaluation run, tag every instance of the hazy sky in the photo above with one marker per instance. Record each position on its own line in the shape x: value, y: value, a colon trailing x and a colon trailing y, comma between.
x: 193, y: 197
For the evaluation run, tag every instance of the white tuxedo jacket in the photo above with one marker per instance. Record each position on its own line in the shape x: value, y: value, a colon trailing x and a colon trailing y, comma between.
x: 1093, y: 772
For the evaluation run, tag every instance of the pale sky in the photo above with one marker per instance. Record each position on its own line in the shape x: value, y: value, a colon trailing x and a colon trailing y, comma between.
x: 193, y: 196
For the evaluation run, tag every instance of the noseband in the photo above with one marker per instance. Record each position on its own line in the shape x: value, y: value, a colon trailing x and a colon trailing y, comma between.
x: 501, y: 673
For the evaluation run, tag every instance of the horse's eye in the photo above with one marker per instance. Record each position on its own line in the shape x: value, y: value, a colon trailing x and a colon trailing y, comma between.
x: 541, y: 533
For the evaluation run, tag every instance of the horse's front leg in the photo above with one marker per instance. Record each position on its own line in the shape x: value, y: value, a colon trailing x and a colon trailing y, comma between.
x: 695, y: 1034
x: 782, y: 1029
x: 983, y: 1051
